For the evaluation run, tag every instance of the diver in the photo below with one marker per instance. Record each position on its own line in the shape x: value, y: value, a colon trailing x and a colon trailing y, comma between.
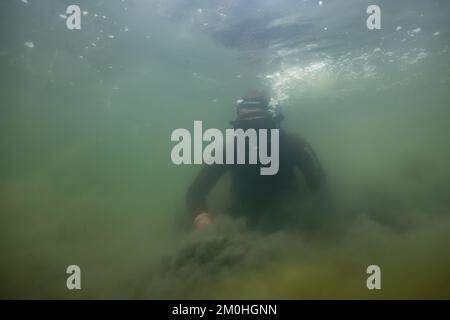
x: 258, y: 198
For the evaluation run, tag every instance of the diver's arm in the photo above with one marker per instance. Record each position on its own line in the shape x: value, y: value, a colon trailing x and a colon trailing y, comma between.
x: 307, y: 161
x: 199, y: 189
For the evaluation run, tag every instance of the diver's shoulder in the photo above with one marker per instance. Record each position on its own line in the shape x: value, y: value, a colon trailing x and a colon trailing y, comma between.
x: 292, y: 138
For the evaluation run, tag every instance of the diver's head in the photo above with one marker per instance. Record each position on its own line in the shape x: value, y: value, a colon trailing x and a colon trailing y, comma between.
x: 253, y: 110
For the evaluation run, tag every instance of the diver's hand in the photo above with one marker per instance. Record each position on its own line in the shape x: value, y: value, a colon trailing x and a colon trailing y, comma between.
x: 202, y: 219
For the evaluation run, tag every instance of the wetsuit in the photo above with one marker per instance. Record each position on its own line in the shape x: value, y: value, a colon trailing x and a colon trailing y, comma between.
x: 254, y: 193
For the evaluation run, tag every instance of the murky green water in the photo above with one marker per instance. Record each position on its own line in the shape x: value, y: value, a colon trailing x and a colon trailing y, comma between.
x: 86, y: 117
